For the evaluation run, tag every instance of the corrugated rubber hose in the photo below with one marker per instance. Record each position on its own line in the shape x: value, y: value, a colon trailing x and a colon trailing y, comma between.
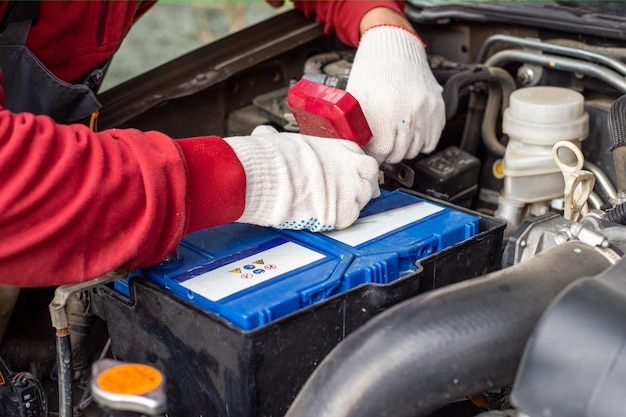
x: 617, y: 133
x: 441, y: 346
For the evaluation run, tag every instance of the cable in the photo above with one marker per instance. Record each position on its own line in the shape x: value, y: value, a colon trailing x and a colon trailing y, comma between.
x: 579, y: 53
x: 556, y: 62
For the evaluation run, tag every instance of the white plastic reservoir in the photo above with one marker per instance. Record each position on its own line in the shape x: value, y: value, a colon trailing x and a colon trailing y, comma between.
x: 536, y: 119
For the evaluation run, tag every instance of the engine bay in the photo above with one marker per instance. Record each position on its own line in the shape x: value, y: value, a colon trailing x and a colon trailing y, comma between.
x: 519, y: 316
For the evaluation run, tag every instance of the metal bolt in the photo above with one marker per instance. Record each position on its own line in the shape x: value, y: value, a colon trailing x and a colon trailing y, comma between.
x: 525, y: 75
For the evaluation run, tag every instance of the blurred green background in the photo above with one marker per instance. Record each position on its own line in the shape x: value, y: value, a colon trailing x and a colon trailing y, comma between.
x: 173, y: 28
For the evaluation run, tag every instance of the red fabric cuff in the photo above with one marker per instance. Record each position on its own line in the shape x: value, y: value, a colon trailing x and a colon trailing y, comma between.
x: 216, y: 183
x: 399, y: 27
x: 344, y: 17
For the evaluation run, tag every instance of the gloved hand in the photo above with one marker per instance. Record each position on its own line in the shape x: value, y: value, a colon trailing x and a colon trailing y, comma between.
x: 298, y: 182
x: 401, y: 100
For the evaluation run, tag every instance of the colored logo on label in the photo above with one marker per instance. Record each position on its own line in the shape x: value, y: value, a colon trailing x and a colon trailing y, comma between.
x: 254, y: 267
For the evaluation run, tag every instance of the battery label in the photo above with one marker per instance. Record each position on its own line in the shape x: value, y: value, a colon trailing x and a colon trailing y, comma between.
x: 251, y: 270
x: 371, y: 227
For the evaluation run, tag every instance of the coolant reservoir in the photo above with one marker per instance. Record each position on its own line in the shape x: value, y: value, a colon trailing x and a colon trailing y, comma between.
x: 536, y: 119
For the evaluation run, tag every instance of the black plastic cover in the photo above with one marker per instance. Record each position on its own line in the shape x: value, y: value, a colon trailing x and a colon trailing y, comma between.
x: 451, y: 172
x: 597, y: 18
x: 575, y: 364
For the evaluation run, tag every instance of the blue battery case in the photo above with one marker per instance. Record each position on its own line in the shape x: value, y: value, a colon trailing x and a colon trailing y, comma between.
x: 251, y: 275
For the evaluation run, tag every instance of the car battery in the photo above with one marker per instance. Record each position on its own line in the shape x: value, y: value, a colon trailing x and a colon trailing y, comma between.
x: 251, y: 275
x: 242, y: 314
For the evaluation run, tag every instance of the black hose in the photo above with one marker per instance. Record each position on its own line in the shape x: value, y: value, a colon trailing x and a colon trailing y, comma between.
x: 617, y: 214
x: 488, y: 126
x: 79, y: 320
x: 500, y: 89
x: 501, y: 84
x: 66, y: 374
x: 441, y: 346
x: 472, y: 134
x: 456, y: 83
x: 505, y: 81
x: 617, y: 134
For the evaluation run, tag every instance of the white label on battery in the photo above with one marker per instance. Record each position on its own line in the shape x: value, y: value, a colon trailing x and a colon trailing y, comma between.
x: 252, y: 270
x: 371, y: 227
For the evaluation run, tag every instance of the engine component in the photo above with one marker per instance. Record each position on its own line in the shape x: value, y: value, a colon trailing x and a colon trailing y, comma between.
x: 609, y: 76
x: 61, y: 322
x: 617, y: 132
x: 429, y: 350
x: 21, y: 394
x: 128, y: 387
x: 538, y: 118
x: 553, y: 47
x: 541, y: 233
x: 579, y: 183
x: 332, y: 68
x: 259, y: 371
x: 450, y: 174
x: 575, y: 363
x: 79, y: 320
x: 458, y: 82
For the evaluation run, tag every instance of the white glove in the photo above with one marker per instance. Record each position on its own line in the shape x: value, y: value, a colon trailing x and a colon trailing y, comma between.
x: 401, y: 99
x: 298, y: 182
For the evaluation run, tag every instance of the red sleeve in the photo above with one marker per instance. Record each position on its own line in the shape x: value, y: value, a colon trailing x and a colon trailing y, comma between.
x: 343, y: 16
x: 75, y: 205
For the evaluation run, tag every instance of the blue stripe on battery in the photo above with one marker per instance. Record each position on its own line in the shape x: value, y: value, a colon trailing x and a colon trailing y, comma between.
x: 393, y: 199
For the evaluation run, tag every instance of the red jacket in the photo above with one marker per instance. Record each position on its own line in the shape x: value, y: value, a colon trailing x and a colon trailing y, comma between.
x: 76, y: 204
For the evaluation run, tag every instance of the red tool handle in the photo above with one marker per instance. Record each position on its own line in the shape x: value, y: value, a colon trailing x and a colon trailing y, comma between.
x: 328, y: 112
